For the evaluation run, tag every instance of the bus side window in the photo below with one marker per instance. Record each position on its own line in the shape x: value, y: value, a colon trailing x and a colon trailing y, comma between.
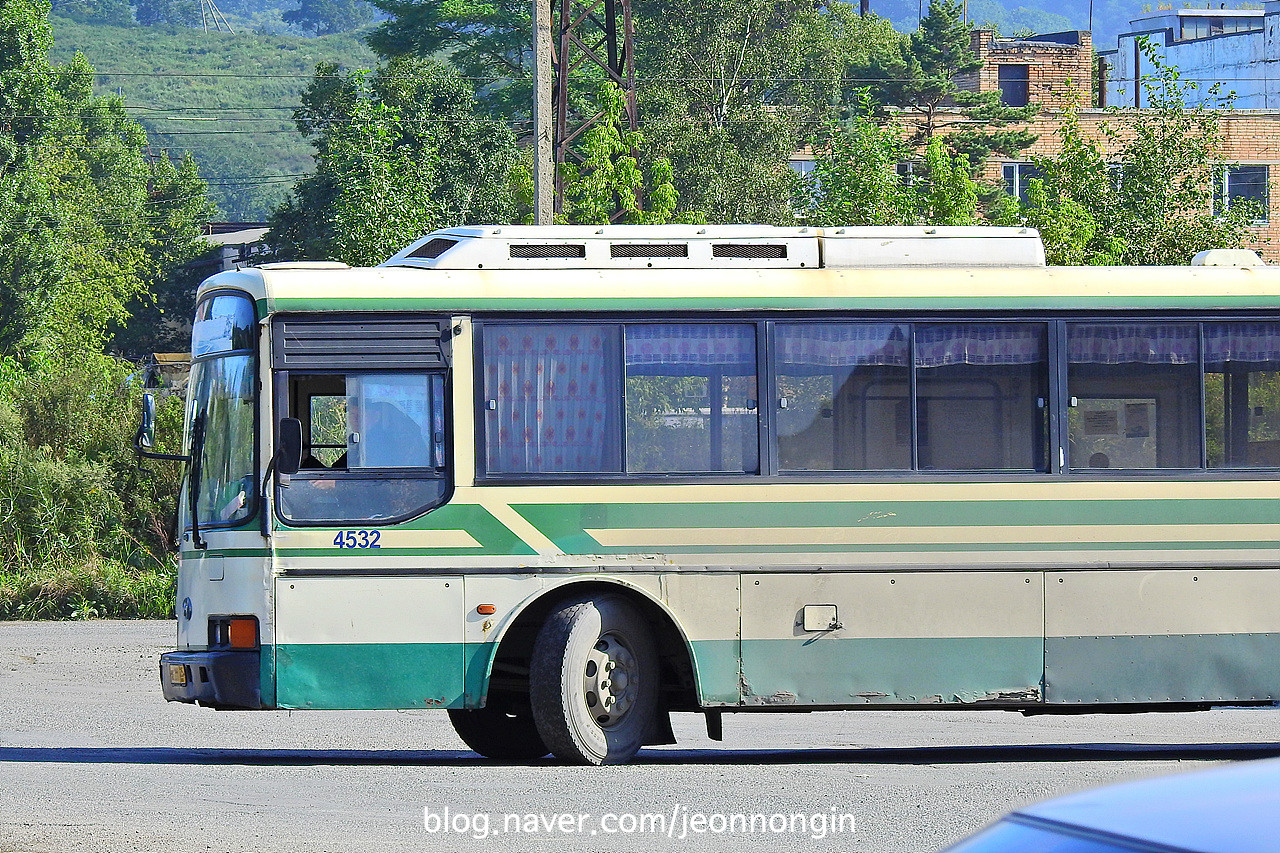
x: 327, y: 447
x: 1136, y: 388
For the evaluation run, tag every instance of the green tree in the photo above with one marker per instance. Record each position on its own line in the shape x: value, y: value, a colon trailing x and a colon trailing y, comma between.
x: 735, y: 85
x: 920, y: 79
x: 730, y: 87
x: 159, y: 13
x: 327, y: 17
x: 110, y: 13
x: 87, y: 223
x: 727, y: 87
x: 160, y: 317
x: 398, y: 153
x: 1152, y: 200
x: 855, y: 179
x: 609, y: 182
x: 483, y: 39
x: 80, y: 231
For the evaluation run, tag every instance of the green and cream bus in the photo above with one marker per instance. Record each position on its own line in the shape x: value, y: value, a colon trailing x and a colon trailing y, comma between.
x: 562, y: 481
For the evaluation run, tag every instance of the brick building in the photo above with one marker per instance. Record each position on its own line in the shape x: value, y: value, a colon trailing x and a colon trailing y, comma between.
x: 1053, y: 70
x: 1056, y: 71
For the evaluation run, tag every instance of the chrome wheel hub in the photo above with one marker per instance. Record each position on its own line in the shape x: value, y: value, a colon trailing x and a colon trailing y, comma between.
x: 610, y: 679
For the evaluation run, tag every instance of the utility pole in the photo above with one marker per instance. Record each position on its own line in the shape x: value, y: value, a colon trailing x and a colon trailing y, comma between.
x: 544, y: 171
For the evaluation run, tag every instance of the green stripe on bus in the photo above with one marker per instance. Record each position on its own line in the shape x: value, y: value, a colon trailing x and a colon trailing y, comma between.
x: 494, y: 537
x: 364, y: 676
x: 1166, y: 668
x: 717, y: 664
x: 566, y: 524
x: 818, y: 670
x: 823, y: 670
x: 897, y: 304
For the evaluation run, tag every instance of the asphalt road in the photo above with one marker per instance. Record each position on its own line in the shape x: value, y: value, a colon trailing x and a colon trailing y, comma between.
x: 92, y: 759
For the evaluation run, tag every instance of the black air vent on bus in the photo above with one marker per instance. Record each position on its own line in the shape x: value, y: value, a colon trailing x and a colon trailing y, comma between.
x: 433, y: 249
x: 748, y: 250
x: 360, y: 342
x: 649, y: 250
x: 549, y: 250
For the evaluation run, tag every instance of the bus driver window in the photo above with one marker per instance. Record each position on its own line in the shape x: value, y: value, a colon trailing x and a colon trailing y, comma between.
x: 374, y: 446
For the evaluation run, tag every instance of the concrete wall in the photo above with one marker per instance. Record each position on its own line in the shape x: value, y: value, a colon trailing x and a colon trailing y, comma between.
x: 1244, y: 63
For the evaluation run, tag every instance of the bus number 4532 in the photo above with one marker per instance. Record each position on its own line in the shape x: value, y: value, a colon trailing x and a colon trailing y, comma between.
x: 358, y: 539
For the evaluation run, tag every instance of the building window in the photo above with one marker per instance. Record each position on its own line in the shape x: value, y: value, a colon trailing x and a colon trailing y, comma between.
x: 1194, y: 28
x: 1016, y: 177
x: 1243, y: 185
x: 1015, y: 86
x: 906, y: 172
x: 803, y: 168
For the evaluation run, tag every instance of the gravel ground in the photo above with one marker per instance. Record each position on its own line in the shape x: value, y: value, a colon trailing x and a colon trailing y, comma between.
x: 91, y: 758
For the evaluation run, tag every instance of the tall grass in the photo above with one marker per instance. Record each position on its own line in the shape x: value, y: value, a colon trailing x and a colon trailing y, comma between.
x: 84, y: 532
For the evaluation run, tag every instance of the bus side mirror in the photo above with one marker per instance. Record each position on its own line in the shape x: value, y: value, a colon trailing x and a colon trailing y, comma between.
x: 145, y: 437
x: 147, y: 432
x: 289, y: 446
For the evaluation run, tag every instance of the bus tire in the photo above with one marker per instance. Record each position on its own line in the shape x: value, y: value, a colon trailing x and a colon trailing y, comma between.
x: 499, y: 734
x: 593, y: 680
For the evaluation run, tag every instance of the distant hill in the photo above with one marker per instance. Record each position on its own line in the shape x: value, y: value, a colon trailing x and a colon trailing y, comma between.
x: 228, y: 99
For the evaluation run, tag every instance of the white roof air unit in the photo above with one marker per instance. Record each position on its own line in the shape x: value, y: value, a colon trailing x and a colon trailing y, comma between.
x: 929, y: 246
x: 612, y: 247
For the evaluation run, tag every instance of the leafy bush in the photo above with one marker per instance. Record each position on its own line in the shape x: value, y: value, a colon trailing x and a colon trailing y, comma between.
x: 84, y: 531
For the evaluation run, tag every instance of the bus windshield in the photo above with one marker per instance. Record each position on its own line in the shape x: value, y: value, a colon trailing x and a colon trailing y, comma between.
x: 221, y: 410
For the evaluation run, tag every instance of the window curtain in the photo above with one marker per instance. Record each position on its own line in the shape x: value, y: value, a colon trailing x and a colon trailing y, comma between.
x: 554, y: 392
x: 826, y: 345
x: 688, y: 349
x: 980, y: 344
x: 1133, y: 343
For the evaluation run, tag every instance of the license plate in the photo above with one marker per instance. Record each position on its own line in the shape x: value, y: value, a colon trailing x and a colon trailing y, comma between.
x: 178, y: 674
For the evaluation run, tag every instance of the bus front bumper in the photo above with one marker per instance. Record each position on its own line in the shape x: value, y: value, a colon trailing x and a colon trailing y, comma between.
x: 218, y: 679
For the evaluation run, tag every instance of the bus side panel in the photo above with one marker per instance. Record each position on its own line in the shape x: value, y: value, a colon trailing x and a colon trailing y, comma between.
x: 369, y: 642
x: 707, y: 607
x: 903, y: 638
x: 1190, y: 635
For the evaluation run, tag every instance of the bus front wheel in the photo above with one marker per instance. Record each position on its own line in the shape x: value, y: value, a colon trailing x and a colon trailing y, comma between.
x: 499, y: 734
x: 593, y: 680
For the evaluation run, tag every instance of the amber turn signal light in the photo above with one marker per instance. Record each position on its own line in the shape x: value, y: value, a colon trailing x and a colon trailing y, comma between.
x: 486, y: 609
x: 244, y: 633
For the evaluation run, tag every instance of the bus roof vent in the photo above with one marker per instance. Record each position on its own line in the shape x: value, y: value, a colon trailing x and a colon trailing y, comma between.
x: 547, y: 250
x: 433, y: 248
x: 929, y: 246
x: 649, y: 250
x: 749, y: 250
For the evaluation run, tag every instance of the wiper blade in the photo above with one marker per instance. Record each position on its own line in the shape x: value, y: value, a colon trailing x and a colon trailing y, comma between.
x: 193, y: 482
